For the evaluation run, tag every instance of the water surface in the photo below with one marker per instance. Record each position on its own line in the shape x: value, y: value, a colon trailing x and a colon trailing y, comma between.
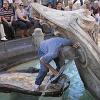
x: 76, y: 91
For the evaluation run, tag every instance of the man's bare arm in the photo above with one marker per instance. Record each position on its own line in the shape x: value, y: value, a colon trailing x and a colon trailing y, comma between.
x: 54, y: 71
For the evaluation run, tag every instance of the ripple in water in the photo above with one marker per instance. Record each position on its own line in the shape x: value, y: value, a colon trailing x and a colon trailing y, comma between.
x: 76, y: 91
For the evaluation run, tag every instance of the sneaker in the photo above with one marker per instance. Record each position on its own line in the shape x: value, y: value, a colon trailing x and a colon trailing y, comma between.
x: 3, y: 39
x: 35, y: 87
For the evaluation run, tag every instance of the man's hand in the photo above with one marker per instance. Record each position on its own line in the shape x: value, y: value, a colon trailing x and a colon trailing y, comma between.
x: 76, y: 45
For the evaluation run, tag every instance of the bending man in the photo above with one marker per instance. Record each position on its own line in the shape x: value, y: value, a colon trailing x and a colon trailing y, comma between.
x: 48, y: 51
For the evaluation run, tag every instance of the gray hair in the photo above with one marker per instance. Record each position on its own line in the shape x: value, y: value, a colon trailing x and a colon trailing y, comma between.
x: 37, y: 36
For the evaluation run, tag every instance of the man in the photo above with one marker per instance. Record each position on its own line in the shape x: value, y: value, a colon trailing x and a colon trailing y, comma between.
x: 48, y: 51
x: 7, y: 14
x: 59, y: 5
x: 95, y: 8
x: 34, y: 19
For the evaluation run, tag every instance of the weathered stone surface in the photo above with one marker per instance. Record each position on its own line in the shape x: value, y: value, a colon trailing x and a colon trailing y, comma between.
x: 24, y: 82
x: 15, y: 52
x: 68, y: 24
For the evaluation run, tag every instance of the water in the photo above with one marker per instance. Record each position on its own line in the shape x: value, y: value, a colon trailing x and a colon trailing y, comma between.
x: 76, y: 91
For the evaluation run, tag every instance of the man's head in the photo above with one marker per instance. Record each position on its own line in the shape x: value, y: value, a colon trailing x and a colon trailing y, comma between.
x: 96, y: 4
x: 38, y: 36
x: 5, y: 3
x: 20, y: 5
x: 17, y: 2
x: 70, y: 3
x: 58, y: 5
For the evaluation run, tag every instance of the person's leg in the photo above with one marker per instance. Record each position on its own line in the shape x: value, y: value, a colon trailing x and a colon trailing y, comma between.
x: 23, y: 28
x: 15, y: 26
x: 26, y: 33
x: 45, y: 59
x: 37, y: 24
x: 22, y: 33
x: 43, y: 70
x: 2, y: 31
x: 58, y: 65
x: 31, y: 20
x: 29, y: 25
x: 6, y: 30
x: 41, y: 75
x: 45, y: 66
x: 56, y: 60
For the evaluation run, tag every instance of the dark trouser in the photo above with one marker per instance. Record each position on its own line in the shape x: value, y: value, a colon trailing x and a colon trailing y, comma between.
x: 9, y: 31
x: 15, y: 25
x: 24, y: 24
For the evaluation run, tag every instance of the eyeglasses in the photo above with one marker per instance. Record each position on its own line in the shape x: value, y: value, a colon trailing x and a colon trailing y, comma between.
x: 21, y: 5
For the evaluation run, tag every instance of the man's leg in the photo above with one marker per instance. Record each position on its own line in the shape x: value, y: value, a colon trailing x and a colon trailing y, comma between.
x: 43, y: 70
x: 56, y: 60
x: 44, y: 66
x: 41, y: 75
x: 2, y: 31
x: 12, y: 32
x: 7, y: 30
x: 59, y: 62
